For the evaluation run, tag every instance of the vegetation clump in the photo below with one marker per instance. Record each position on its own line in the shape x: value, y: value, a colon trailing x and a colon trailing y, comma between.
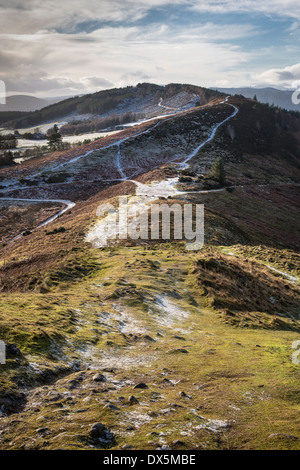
x: 217, y: 172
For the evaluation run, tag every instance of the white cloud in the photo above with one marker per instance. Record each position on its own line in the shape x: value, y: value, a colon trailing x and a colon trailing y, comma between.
x: 283, y: 8
x: 121, y: 55
x: 293, y: 27
x: 106, y: 47
x: 283, y: 77
x: 31, y: 16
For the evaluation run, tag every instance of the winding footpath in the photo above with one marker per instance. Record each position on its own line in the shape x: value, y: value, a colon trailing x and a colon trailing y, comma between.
x: 164, y: 189
x: 212, y: 135
x: 165, y: 107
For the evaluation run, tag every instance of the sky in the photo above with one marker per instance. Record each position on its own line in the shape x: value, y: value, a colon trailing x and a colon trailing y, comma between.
x: 69, y: 47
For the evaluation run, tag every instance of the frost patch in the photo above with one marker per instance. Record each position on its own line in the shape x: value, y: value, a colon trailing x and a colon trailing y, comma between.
x: 171, y: 314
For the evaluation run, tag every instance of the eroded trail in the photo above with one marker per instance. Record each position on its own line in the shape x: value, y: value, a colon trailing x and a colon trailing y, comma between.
x: 119, y: 165
x: 212, y: 135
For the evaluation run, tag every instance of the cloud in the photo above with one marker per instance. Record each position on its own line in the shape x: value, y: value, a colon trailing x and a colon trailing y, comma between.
x: 282, y: 8
x: 97, y: 82
x: 284, y: 77
x: 80, y: 46
x: 72, y: 16
x: 120, y: 55
x: 33, y: 84
x: 132, y: 78
x: 75, y: 16
x: 41, y: 83
x: 293, y: 27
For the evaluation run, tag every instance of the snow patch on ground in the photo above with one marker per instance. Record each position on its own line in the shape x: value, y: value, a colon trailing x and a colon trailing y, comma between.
x: 291, y: 278
x: 127, y: 324
x: 170, y: 313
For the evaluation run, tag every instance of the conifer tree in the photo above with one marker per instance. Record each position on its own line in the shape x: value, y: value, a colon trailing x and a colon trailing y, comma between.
x: 217, y: 171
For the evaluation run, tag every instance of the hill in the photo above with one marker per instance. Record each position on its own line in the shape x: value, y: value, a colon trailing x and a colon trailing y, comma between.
x: 26, y: 103
x: 144, y: 99
x: 140, y: 343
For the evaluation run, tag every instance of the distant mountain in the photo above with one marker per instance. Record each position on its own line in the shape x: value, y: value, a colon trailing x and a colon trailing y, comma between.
x: 27, y: 103
x: 281, y: 98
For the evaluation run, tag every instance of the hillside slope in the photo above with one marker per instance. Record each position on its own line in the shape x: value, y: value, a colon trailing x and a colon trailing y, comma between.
x: 144, y: 344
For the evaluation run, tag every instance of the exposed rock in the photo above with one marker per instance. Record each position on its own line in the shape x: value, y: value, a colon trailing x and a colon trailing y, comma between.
x: 12, y: 402
x: 141, y: 385
x: 131, y: 428
x: 12, y: 350
x: 148, y: 338
x: 99, y: 378
x: 43, y: 431
x: 98, y: 430
x: 133, y: 400
x: 101, y: 435
x: 179, y: 350
x: 185, y: 395
x: 112, y: 407
x: 165, y: 380
x: 166, y: 411
x: 73, y: 384
x: 178, y: 443
x: 163, y: 447
x: 54, y: 398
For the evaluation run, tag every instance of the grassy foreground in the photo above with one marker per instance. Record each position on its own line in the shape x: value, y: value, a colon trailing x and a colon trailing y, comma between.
x: 142, y: 316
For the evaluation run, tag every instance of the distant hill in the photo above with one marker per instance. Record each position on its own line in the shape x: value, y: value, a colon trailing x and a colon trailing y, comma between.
x: 117, y: 101
x: 281, y: 98
x: 27, y: 103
